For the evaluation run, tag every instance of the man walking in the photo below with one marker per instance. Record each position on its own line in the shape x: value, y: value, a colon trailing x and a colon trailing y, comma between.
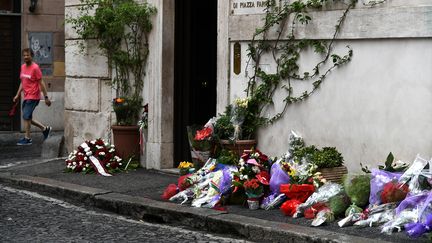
x: 32, y: 85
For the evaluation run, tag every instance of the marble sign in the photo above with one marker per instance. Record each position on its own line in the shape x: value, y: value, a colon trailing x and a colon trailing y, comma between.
x: 242, y: 7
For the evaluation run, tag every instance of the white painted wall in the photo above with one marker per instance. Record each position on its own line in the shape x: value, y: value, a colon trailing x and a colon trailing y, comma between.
x: 377, y: 103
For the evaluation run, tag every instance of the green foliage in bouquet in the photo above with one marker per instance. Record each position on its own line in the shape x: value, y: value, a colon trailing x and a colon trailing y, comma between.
x: 339, y: 203
x: 227, y: 157
x: 224, y: 129
x: 357, y: 187
x: 304, y: 153
x: 240, y: 120
x: 389, y: 165
x: 327, y: 157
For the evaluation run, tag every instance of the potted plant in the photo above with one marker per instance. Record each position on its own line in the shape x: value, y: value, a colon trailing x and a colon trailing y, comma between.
x: 254, y: 191
x: 330, y: 164
x: 236, y: 128
x: 253, y: 165
x: 121, y: 29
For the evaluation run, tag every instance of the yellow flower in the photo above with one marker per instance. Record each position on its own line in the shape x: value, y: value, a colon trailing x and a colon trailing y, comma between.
x: 292, y: 172
x: 185, y: 165
x: 242, y: 102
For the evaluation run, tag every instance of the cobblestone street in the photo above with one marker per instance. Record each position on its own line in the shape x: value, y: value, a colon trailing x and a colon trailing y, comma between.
x: 30, y: 217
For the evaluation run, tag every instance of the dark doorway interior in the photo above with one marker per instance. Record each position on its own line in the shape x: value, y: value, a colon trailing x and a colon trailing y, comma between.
x: 195, y: 69
x: 10, y: 53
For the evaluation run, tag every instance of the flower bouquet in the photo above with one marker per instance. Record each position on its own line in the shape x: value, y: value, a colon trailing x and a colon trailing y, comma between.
x: 303, y: 180
x: 236, y: 128
x: 252, y: 165
x: 186, y: 168
x: 201, y: 143
x: 96, y: 156
x: 254, y: 191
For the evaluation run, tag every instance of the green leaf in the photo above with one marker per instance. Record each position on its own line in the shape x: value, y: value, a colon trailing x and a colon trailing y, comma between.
x: 389, y: 161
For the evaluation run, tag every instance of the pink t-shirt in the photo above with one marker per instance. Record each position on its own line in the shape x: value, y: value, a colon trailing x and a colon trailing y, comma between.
x: 30, y: 77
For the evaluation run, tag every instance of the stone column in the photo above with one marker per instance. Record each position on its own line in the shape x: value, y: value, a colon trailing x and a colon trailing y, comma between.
x: 223, y: 56
x: 160, y: 79
x: 87, y: 95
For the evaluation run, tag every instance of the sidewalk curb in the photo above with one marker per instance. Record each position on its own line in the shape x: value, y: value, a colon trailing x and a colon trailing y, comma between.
x: 200, y: 218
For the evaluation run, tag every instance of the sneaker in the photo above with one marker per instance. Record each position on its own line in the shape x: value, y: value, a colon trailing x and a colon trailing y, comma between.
x: 25, y: 141
x: 46, y: 132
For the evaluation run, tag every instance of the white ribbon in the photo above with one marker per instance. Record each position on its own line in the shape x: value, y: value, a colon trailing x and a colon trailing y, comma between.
x: 95, y: 162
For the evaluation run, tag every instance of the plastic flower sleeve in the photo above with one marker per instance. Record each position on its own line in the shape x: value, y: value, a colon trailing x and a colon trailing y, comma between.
x: 378, y: 180
x: 206, y: 190
x: 183, y: 196
x: 323, y: 194
x: 278, y: 177
x: 272, y: 201
x: 224, y: 185
x: 418, y: 229
x: 211, y: 123
x: 411, y: 201
x: 409, y: 211
x: 323, y: 216
x: 377, y: 215
x: 237, y: 118
x: 414, y: 170
x: 424, y: 217
x: 406, y: 216
x: 296, y: 141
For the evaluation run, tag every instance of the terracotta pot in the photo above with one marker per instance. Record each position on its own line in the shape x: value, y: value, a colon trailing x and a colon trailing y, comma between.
x: 126, y: 141
x: 334, y: 174
x: 238, y: 146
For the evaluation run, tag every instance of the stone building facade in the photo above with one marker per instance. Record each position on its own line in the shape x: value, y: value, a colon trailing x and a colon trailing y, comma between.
x: 377, y: 103
x: 42, y: 30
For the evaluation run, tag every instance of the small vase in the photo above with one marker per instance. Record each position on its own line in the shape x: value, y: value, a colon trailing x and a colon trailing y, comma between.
x: 184, y: 171
x: 253, y: 203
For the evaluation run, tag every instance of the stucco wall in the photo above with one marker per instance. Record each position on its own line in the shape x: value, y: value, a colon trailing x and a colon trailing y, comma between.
x: 377, y: 103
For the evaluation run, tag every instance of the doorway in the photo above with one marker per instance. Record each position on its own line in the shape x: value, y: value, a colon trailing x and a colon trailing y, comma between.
x: 195, y: 69
x: 10, y: 53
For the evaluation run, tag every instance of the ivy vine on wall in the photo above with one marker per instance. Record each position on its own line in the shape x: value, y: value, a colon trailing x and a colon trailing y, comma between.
x: 286, y: 48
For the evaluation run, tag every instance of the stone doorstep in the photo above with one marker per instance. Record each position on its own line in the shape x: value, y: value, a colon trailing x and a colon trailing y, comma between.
x: 166, y: 212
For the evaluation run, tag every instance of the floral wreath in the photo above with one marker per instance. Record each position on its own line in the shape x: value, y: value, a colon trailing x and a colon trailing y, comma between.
x: 95, y: 156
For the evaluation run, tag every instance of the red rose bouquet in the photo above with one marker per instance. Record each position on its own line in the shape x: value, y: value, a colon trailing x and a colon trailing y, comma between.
x: 394, y: 192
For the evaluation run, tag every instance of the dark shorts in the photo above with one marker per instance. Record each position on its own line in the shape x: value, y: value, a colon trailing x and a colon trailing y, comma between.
x: 28, y: 107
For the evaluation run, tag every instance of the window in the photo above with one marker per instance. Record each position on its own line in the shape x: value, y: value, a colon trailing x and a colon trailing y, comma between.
x: 10, y: 6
